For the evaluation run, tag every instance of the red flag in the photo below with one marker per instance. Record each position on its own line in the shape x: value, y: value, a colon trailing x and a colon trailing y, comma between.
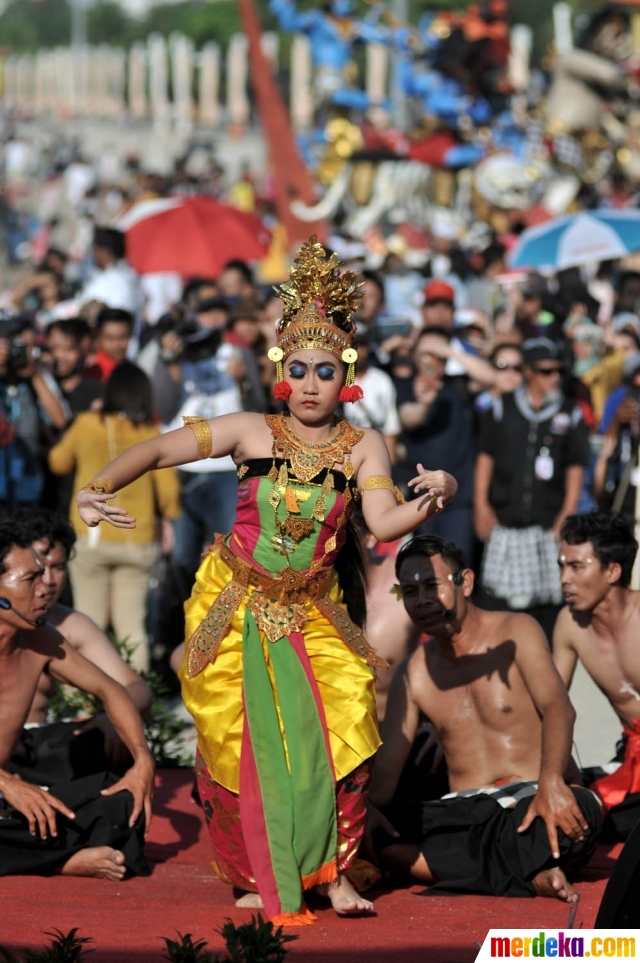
x: 291, y: 177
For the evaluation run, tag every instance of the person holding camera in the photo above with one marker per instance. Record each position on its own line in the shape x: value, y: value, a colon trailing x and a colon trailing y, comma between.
x: 38, y: 294
x: 616, y: 476
x: 30, y: 403
x: 197, y: 374
x: 436, y: 429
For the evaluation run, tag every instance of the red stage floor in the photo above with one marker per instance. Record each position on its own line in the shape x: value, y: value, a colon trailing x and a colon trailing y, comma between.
x: 127, y: 920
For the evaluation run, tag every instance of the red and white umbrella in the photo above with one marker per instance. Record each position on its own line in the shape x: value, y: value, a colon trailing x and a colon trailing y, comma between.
x: 191, y: 235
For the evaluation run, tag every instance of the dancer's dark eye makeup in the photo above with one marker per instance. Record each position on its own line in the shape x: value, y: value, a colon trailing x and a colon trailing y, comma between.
x: 326, y: 372
x: 297, y: 370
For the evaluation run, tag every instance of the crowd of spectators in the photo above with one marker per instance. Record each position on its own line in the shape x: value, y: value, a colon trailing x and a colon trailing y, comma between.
x: 524, y: 387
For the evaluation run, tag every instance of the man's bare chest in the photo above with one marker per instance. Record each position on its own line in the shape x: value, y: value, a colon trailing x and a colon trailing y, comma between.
x: 467, y: 710
x: 19, y: 676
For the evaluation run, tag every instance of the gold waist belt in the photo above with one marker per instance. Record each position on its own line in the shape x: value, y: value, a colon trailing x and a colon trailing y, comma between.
x: 288, y: 588
x: 277, y: 605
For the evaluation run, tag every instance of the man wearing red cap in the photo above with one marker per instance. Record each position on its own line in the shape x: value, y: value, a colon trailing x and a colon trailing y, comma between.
x: 439, y: 300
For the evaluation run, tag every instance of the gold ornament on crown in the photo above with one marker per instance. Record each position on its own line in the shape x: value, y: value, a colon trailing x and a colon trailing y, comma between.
x: 319, y: 300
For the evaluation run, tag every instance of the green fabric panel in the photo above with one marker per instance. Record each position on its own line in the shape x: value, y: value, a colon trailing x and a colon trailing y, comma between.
x: 265, y: 554
x: 271, y: 764
x: 313, y: 790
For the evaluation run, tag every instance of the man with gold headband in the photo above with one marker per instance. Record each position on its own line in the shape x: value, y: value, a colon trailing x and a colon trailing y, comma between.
x: 277, y: 673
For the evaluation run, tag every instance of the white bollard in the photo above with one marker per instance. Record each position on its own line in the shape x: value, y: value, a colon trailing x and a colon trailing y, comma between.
x: 209, y: 85
x: 300, y: 95
x: 238, y: 109
x: 377, y: 72
x: 138, y: 81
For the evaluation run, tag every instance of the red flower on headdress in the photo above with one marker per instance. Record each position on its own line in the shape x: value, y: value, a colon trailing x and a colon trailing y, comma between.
x: 282, y: 391
x: 351, y: 393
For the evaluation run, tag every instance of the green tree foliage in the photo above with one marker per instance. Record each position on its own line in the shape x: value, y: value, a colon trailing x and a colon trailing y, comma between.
x: 29, y: 24
x: 199, y: 20
x: 108, y: 22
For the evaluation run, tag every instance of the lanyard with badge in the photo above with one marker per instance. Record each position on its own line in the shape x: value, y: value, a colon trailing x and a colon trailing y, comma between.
x: 543, y: 465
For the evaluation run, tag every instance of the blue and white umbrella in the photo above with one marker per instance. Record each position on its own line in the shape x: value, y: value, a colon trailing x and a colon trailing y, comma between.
x: 575, y: 239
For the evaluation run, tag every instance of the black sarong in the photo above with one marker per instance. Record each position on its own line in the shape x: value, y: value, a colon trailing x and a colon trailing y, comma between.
x: 620, y: 906
x: 471, y: 844
x: 100, y: 821
x: 53, y: 753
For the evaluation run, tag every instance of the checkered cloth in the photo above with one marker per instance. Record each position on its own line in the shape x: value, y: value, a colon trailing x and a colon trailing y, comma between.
x: 520, y: 565
x: 534, y: 147
x: 568, y: 151
x: 507, y: 794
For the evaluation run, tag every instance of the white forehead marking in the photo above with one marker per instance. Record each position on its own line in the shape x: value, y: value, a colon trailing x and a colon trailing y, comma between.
x: 416, y: 576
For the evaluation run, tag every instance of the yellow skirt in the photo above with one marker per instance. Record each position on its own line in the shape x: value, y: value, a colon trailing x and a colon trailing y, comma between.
x: 214, y: 696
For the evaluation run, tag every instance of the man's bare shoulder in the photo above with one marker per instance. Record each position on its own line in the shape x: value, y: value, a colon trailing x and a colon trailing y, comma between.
x: 72, y: 624
x: 502, y: 625
x: 571, y: 628
x: 572, y: 622
x: 520, y: 624
x: 413, y: 666
x: 45, y: 641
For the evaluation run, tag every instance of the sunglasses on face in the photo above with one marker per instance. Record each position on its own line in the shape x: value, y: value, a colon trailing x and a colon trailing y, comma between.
x: 548, y: 372
x: 503, y: 366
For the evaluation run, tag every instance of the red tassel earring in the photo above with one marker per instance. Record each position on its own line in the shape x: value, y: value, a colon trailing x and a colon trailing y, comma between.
x: 282, y: 388
x: 349, y: 390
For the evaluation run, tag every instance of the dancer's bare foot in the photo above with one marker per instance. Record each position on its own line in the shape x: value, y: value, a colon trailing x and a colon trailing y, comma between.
x: 344, y: 899
x: 553, y: 882
x: 102, y: 862
x: 250, y: 901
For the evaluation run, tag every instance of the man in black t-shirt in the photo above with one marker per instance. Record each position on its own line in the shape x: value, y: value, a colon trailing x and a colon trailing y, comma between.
x: 532, y: 452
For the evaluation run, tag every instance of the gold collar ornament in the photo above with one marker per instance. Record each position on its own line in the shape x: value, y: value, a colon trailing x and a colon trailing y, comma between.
x: 319, y: 300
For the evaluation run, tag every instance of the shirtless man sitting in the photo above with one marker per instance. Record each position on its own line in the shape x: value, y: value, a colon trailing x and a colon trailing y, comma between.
x: 75, y: 748
x: 487, y: 682
x: 600, y: 626
x: 85, y: 827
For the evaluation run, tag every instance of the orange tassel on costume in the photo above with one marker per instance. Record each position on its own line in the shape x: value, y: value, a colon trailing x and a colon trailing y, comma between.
x: 303, y: 918
x: 326, y: 874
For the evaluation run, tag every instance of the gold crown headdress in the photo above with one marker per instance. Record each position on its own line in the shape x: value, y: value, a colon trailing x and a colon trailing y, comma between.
x: 319, y: 300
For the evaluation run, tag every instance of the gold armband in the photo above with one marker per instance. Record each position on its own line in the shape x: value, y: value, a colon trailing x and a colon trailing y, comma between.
x: 200, y: 428
x: 101, y: 486
x: 375, y: 482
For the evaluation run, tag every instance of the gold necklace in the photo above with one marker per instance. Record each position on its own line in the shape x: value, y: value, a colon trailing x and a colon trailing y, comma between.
x: 308, y: 459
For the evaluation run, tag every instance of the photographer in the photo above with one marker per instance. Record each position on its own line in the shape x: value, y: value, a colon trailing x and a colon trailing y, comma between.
x: 437, y: 430
x: 195, y: 374
x: 38, y: 294
x: 615, y: 475
x: 29, y: 404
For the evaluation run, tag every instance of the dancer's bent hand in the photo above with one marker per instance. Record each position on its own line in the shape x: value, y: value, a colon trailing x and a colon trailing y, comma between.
x: 436, y: 484
x: 94, y: 508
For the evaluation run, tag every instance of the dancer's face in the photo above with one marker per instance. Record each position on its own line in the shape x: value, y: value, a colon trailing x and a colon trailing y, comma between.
x: 316, y: 378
